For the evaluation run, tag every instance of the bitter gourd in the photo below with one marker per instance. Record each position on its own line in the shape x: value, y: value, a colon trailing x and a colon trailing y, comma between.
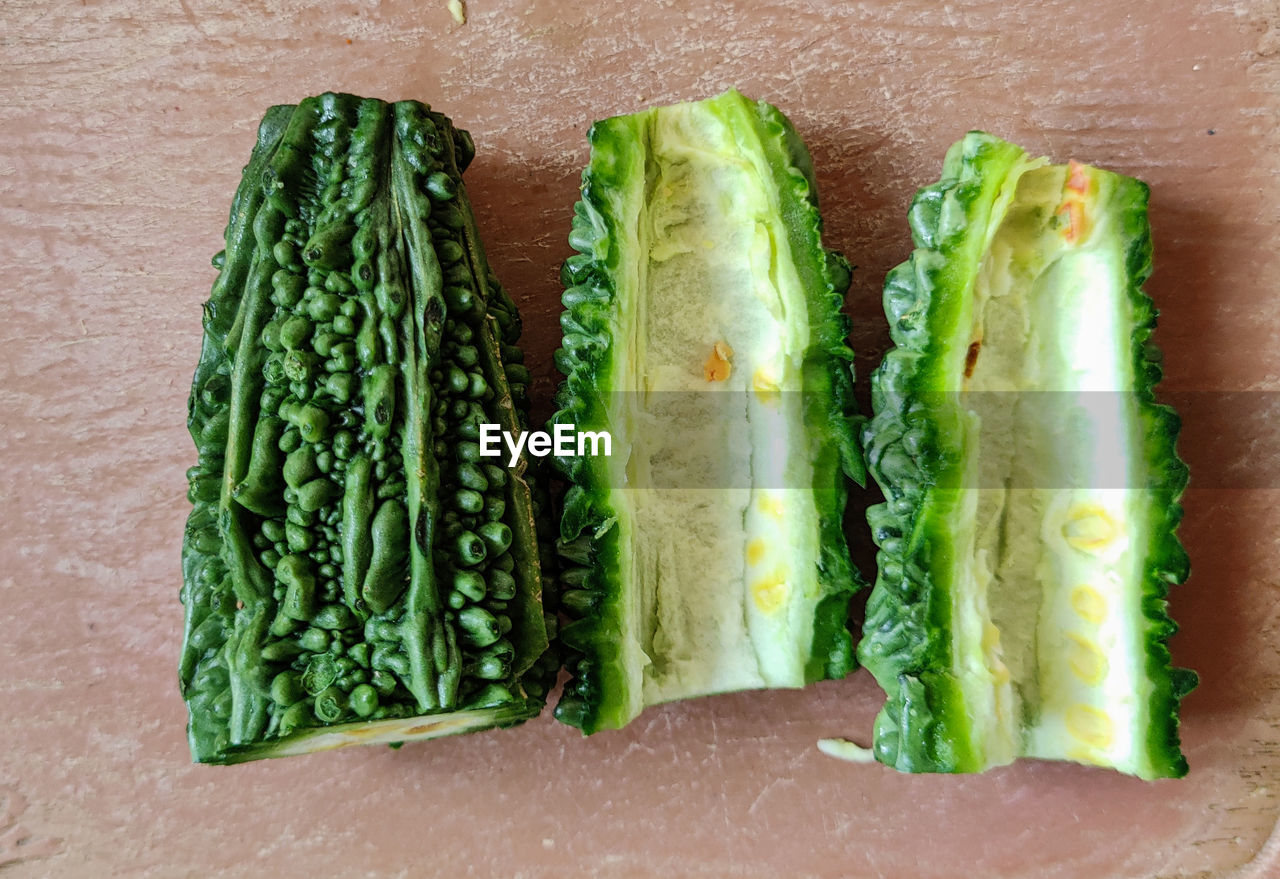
x: 703, y: 331
x: 1027, y: 540
x: 352, y: 571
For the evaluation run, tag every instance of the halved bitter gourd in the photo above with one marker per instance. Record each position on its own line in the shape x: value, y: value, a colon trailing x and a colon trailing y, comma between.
x: 702, y: 329
x: 352, y: 570
x: 1027, y: 538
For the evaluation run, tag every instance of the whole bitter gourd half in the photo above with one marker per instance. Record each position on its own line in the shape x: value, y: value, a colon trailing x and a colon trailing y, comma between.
x: 352, y: 570
x: 703, y: 330
x: 1027, y: 540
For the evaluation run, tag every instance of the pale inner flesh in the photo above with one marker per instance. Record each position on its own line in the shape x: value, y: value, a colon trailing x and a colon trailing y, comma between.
x: 719, y: 529
x: 1044, y: 641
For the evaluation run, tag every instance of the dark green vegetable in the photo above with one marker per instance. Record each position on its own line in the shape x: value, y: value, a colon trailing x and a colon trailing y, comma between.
x: 337, y: 394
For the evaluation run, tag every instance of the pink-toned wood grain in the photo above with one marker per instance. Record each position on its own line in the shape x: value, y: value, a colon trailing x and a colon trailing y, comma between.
x: 123, y: 127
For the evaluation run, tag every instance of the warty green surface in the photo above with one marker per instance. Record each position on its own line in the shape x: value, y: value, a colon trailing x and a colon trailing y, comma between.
x: 353, y: 571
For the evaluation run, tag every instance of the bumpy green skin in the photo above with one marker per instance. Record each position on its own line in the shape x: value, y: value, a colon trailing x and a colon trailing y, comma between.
x: 331, y: 425
x: 594, y: 590
x: 914, y: 449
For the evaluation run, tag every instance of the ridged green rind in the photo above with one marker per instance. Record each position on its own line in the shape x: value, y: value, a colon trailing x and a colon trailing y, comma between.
x: 362, y: 203
x: 595, y: 697
x: 1167, y: 564
x: 594, y: 592
x: 914, y: 451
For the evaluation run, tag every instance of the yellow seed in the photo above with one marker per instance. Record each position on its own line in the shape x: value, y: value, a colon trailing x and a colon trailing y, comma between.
x: 770, y: 505
x: 1089, y: 725
x: 765, y: 385
x: 770, y: 593
x: 1089, y: 527
x: 990, y: 637
x: 1089, y: 603
x: 1087, y: 662
x: 717, y: 367
x: 755, y: 551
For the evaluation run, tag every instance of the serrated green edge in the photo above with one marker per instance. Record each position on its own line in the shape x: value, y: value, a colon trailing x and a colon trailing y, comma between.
x: 1167, y: 563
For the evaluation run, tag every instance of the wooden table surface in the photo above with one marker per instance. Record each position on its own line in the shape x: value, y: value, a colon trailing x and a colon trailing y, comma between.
x: 123, y: 128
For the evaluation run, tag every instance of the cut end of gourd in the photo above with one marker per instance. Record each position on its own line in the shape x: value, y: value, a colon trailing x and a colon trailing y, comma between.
x: 381, y: 732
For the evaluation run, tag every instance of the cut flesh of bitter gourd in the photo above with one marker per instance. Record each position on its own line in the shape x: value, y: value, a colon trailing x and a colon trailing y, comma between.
x: 1027, y: 539
x: 703, y: 331
x: 352, y: 571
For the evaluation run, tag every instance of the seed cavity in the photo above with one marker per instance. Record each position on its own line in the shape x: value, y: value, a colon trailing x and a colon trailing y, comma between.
x: 1086, y: 661
x: 1089, y: 603
x: 1090, y: 726
x: 771, y: 593
x: 1089, y: 528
